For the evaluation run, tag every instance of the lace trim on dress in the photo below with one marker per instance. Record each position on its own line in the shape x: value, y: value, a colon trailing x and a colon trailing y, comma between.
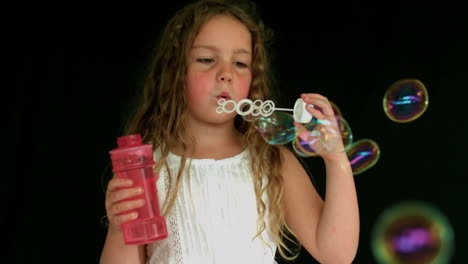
x: 178, y: 258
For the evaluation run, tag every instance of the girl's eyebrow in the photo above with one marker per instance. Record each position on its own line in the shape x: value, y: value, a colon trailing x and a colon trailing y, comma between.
x: 215, y: 49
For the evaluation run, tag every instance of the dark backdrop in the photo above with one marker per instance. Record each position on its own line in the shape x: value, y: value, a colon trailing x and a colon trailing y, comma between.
x: 75, y: 70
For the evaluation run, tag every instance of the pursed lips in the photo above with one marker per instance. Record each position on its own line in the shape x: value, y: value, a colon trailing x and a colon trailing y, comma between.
x: 223, y: 95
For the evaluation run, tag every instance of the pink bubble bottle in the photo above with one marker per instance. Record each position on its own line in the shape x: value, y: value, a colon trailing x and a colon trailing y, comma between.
x: 134, y: 160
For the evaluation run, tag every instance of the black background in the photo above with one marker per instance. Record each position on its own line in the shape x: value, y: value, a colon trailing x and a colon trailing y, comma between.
x: 75, y: 69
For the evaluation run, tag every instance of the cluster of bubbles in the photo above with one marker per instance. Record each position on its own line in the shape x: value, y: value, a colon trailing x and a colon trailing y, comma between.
x: 310, y: 139
x: 362, y: 154
x: 404, y: 101
x: 278, y: 127
x: 412, y: 232
x: 407, y: 233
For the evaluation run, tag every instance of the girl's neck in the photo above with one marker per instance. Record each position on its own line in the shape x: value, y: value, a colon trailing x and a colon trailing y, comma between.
x: 212, y: 142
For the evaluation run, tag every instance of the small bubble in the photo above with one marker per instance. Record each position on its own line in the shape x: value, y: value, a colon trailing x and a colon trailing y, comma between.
x: 405, y: 100
x: 362, y: 155
x: 412, y: 233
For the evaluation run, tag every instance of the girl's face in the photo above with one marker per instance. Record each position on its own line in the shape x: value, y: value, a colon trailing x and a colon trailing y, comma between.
x: 219, y: 65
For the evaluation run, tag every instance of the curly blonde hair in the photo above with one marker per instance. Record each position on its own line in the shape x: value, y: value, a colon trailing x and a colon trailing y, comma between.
x: 164, y: 102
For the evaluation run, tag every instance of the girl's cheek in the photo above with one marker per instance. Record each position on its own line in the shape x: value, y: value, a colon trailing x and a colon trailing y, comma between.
x: 244, y: 87
x: 197, y: 82
x: 203, y: 80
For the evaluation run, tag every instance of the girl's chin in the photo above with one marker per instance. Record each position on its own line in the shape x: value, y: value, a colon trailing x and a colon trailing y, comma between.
x: 224, y: 117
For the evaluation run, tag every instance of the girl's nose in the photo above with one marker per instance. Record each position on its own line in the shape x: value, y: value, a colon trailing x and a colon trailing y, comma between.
x: 224, y: 75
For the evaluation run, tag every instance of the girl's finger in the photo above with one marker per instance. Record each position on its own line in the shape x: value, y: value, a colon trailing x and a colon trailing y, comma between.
x: 325, y: 107
x: 302, y: 133
x: 298, y: 125
x: 313, y: 95
x: 121, y: 207
x: 320, y: 101
x: 120, y: 219
x: 316, y: 113
x: 119, y: 195
x: 116, y: 183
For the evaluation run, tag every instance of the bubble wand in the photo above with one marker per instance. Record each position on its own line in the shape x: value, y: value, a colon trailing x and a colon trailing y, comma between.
x: 264, y: 109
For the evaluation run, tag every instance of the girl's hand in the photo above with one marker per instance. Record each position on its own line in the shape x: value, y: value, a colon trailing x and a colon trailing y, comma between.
x: 118, y: 190
x: 331, y: 143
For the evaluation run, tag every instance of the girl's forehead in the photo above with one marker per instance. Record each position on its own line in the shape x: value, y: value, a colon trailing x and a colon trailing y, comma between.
x: 224, y: 32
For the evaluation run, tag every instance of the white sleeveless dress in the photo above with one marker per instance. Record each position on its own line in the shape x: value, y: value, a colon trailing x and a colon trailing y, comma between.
x: 214, y: 219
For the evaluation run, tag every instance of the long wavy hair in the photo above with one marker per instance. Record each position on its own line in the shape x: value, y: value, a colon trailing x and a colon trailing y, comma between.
x: 160, y: 117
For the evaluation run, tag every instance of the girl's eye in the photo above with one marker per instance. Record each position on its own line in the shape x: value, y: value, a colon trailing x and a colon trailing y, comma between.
x: 205, y: 60
x: 240, y: 64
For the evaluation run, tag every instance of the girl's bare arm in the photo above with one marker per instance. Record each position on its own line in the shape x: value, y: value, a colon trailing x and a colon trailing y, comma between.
x: 117, y: 252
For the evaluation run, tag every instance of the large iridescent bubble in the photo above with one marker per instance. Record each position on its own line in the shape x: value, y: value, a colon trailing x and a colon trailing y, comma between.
x: 276, y: 129
x: 320, y: 136
x: 343, y: 125
x: 405, y: 100
x: 362, y: 155
x: 335, y: 109
x: 412, y: 232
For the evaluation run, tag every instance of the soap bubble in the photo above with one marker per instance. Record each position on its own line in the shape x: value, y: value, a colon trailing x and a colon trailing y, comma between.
x: 405, y: 100
x: 276, y: 129
x: 320, y: 136
x: 412, y: 233
x: 344, y: 126
x: 335, y: 109
x: 362, y: 155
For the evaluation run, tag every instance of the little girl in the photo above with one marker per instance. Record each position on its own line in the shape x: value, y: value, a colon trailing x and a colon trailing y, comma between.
x: 227, y: 195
